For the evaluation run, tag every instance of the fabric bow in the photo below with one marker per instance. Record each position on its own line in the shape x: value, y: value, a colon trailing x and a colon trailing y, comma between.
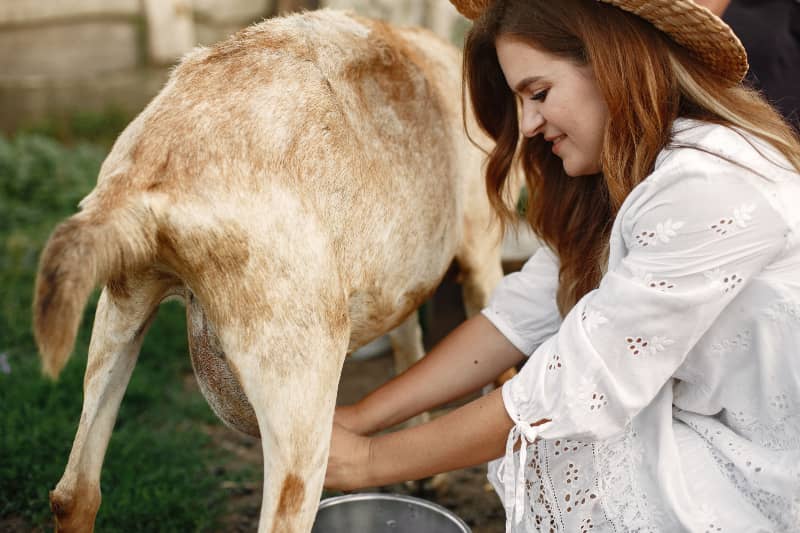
x: 514, y: 485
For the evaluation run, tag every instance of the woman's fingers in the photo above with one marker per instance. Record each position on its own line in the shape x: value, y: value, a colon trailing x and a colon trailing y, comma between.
x: 348, y: 461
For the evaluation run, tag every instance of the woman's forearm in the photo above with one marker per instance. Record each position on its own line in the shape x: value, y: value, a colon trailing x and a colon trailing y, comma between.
x: 470, y: 435
x: 473, y: 355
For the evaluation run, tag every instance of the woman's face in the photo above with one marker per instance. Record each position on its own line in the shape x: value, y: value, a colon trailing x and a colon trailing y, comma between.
x: 560, y: 101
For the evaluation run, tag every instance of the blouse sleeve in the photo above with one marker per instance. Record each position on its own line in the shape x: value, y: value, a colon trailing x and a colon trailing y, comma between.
x: 692, y: 245
x: 523, y: 305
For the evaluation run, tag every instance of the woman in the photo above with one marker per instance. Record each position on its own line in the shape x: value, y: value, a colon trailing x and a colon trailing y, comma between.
x: 661, y: 319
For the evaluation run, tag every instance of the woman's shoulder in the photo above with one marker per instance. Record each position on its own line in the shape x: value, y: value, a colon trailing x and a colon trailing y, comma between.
x: 699, y: 147
x: 709, y: 164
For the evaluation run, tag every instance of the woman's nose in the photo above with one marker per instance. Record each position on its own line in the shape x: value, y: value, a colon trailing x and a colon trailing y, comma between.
x: 532, y: 122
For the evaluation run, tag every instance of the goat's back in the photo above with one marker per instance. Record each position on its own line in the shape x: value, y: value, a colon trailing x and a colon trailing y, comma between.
x: 355, y: 122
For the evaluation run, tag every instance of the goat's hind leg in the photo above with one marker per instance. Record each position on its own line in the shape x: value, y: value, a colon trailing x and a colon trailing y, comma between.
x: 286, y: 348
x: 291, y: 382
x: 407, y: 349
x: 124, y: 311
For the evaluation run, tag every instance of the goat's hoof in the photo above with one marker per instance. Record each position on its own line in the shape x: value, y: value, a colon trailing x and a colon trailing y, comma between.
x: 70, y: 518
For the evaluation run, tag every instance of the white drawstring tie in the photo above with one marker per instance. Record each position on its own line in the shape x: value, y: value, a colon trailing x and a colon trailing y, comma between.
x: 514, y: 485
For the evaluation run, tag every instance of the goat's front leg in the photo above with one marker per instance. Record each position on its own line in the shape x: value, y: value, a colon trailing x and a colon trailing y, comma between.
x: 119, y: 326
x: 406, y: 340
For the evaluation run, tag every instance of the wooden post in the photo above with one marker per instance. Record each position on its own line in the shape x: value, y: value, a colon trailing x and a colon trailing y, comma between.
x: 170, y: 29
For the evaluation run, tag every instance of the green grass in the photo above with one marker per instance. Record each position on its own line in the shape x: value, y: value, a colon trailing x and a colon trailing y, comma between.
x: 161, y: 471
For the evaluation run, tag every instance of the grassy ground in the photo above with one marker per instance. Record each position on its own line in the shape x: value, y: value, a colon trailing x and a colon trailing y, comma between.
x: 161, y: 472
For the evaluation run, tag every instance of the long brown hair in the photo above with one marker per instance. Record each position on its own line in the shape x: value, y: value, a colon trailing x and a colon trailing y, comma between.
x: 647, y: 82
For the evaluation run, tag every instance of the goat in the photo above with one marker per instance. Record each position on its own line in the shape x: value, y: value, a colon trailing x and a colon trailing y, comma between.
x: 303, y: 186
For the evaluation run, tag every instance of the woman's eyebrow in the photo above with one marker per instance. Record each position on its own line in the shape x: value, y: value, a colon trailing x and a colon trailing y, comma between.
x: 524, y: 82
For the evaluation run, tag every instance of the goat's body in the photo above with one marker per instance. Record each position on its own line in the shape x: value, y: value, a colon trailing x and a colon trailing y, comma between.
x: 303, y: 186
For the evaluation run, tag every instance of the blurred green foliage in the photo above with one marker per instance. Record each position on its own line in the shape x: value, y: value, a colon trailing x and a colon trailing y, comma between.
x: 81, y: 126
x: 161, y: 471
x: 41, y: 182
x: 522, y: 202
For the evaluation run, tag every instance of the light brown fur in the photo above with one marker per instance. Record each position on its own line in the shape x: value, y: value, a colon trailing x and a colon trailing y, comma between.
x: 303, y: 187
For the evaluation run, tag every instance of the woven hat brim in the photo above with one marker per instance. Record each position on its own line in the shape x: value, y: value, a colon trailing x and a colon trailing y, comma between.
x: 690, y: 25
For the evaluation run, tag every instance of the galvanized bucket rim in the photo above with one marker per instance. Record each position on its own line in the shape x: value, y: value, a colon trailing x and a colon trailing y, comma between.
x: 327, y: 502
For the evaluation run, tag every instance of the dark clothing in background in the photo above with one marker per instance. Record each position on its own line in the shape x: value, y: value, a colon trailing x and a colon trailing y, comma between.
x: 770, y: 32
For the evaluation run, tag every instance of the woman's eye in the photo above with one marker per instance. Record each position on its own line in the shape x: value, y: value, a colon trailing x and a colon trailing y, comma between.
x: 539, y: 96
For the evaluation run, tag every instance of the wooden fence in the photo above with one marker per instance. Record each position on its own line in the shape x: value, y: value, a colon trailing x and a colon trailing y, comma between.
x: 58, y: 57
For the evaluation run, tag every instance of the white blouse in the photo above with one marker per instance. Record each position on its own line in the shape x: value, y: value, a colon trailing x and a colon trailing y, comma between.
x: 672, y: 390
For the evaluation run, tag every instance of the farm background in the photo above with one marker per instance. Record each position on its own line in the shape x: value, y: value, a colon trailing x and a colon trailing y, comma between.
x: 57, y: 57
x: 72, y: 75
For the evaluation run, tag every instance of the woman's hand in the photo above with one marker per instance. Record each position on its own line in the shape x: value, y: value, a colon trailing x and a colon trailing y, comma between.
x: 349, y: 460
x: 470, y: 435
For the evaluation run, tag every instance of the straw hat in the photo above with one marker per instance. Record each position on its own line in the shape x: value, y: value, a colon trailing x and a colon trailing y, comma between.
x: 692, y: 26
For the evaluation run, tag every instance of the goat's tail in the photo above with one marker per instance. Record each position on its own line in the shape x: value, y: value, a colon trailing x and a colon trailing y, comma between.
x: 85, y: 250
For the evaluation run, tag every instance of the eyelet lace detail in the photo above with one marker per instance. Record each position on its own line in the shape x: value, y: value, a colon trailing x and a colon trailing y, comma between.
x: 543, y: 511
x: 592, y: 320
x: 626, y: 505
x: 561, y: 486
x: 640, y: 346
x: 741, y: 218
x: 778, y: 434
x: 721, y: 279
x: 738, y: 343
x: 712, y: 521
x: 567, y: 446
x: 784, y: 311
x: 662, y: 234
x: 588, y: 397
x: 733, y: 454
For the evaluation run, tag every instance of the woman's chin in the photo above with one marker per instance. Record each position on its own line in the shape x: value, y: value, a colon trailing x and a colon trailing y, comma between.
x: 577, y: 171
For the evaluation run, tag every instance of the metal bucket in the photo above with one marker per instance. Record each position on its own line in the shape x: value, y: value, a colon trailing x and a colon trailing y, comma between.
x: 385, y: 513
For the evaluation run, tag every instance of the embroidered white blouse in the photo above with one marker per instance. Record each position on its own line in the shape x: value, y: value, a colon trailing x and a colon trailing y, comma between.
x: 672, y: 390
